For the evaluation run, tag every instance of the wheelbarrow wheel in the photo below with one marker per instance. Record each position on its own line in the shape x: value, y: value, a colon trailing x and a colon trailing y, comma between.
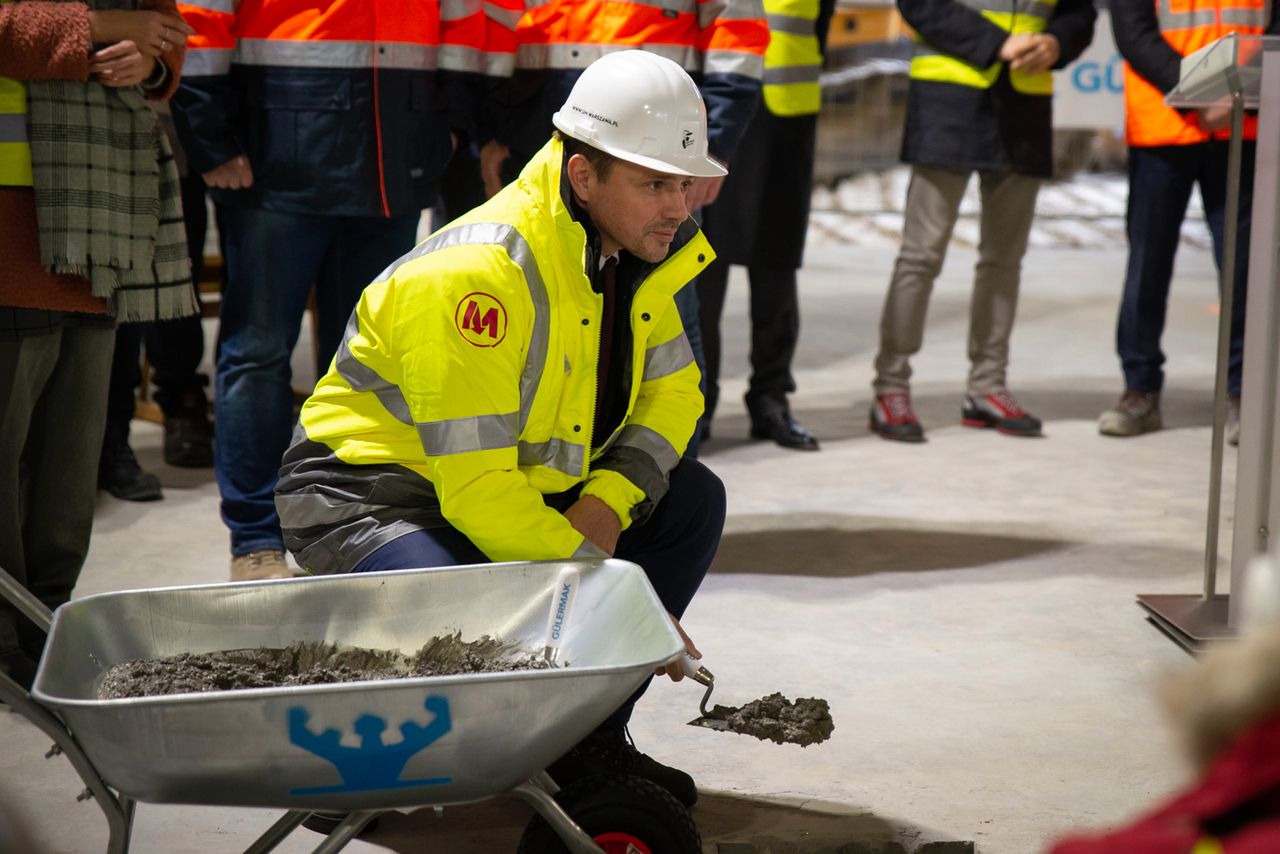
x: 623, y: 814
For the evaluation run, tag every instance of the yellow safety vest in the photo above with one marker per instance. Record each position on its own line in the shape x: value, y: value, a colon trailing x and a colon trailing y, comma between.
x: 15, y: 152
x: 469, y: 369
x: 793, y: 59
x: 1012, y: 16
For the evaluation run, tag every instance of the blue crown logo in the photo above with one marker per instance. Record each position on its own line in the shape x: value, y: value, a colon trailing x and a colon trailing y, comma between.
x: 372, y: 765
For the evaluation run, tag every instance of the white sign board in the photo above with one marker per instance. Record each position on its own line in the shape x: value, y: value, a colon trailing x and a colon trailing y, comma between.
x: 1089, y: 93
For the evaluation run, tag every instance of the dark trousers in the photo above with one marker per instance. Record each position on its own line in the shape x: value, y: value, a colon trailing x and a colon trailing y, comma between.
x: 174, y: 347
x: 775, y: 329
x: 674, y: 546
x: 53, y: 389
x: 1160, y: 183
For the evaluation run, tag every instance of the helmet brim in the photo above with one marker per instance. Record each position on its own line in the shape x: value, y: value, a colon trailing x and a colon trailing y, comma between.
x: 693, y: 167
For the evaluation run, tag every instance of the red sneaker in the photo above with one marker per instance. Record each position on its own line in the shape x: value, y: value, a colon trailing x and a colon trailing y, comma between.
x: 892, y: 418
x: 1001, y: 411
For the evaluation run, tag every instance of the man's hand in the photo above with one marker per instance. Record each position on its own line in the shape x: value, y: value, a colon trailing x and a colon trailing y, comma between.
x: 1014, y: 46
x: 152, y: 32
x: 492, y: 156
x: 1216, y: 116
x: 121, y: 65
x: 1040, y: 55
x: 704, y: 191
x: 596, y: 521
x: 235, y: 174
x: 673, y: 669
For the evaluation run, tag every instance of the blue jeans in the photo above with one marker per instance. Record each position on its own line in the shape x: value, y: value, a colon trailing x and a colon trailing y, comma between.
x: 674, y: 545
x: 273, y: 259
x: 1160, y: 183
x: 687, y: 305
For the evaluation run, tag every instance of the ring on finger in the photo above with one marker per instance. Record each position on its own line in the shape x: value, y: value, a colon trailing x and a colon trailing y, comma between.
x: 164, y: 45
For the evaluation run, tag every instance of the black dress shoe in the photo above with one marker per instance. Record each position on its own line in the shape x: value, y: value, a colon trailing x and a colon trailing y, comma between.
x: 327, y: 822
x: 784, y: 430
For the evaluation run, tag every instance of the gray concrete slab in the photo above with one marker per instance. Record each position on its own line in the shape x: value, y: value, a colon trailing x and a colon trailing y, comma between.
x: 965, y: 605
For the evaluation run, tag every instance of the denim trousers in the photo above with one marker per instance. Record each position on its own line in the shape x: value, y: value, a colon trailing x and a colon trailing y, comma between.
x: 1160, y: 183
x: 674, y: 546
x: 273, y: 260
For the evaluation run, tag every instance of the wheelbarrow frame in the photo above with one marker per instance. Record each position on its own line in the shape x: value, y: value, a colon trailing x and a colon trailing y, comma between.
x: 119, y: 809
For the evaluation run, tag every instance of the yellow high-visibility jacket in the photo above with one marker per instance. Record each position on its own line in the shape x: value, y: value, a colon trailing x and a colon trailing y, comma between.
x: 465, y: 391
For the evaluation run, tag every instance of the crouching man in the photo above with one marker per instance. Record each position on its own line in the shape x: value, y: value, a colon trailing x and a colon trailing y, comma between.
x: 519, y: 386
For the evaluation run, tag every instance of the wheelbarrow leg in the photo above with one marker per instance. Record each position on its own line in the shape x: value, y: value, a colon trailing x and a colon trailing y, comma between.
x: 535, y: 793
x: 345, y: 832
x: 118, y: 811
x: 277, y: 832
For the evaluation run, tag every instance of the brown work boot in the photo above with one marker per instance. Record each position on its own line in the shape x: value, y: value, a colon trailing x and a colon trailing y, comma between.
x: 1137, y: 412
x: 259, y: 566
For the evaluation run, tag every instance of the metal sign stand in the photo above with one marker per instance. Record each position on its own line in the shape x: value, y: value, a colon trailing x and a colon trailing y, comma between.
x: 1194, y: 621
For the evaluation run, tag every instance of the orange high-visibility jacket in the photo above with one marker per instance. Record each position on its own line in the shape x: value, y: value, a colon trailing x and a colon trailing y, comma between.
x: 342, y: 107
x: 1187, y: 26
x: 721, y: 43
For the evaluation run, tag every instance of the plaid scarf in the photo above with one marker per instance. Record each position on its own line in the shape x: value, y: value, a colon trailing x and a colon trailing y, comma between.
x: 107, y: 196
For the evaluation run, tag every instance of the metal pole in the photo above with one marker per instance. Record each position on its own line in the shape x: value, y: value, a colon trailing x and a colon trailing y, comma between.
x: 1227, y: 291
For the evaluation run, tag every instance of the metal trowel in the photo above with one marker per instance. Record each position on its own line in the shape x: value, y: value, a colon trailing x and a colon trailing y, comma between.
x: 694, y: 670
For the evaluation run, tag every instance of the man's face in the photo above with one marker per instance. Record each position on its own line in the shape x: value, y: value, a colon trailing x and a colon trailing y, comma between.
x: 635, y: 208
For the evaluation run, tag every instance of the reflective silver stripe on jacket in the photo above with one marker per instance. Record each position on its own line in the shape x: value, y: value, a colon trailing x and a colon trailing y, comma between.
x: 499, y: 64
x: 335, y: 54
x: 312, y: 509
x: 1238, y: 16
x: 456, y: 10
x: 734, y: 62
x: 464, y: 435
x: 651, y: 443
x: 531, y: 56
x: 521, y: 253
x: 502, y: 15
x: 13, y: 128
x: 792, y: 74
x: 454, y: 57
x: 710, y: 10
x: 567, y: 457
x: 207, y: 61
x: 1034, y: 9
x: 740, y: 10
x: 663, y: 360
x: 361, y: 377
x: 795, y: 25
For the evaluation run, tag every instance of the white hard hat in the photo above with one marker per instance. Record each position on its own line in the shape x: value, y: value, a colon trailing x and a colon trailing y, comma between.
x: 641, y: 108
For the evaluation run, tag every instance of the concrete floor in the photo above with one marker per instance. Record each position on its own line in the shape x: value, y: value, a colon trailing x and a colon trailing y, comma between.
x: 966, y: 605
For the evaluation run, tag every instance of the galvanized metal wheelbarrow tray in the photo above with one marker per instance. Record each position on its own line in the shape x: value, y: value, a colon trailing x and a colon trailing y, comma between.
x: 362, y: 747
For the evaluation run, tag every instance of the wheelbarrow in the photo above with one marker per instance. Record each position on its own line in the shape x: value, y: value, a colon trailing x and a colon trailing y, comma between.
x: 362, y: 747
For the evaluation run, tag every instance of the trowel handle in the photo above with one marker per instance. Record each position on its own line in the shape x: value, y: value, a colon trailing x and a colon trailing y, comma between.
x: 695, y: 671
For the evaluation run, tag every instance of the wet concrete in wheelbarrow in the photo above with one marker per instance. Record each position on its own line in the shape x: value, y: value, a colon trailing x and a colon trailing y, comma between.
x: 309, y: 663
x: 774, y: 718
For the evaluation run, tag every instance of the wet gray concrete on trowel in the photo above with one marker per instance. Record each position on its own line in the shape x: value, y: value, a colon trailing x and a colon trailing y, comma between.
x: 777, y: 719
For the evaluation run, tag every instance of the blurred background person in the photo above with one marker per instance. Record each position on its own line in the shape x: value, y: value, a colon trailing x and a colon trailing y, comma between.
x: 91, y: 229
x: 980, y: 100
x: 760, y: 220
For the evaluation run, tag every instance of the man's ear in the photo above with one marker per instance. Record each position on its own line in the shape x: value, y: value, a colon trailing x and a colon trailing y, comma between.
x: 582, y: 177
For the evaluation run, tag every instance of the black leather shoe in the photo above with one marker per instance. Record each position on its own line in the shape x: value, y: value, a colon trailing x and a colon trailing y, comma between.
x: 784, y: 430
x: 609, y: 751
x: 120, y: 474
x: 188, y: 438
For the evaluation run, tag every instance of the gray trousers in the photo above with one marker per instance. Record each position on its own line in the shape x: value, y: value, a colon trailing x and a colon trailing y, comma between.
x: 933, y: 203
x: 53, y: 405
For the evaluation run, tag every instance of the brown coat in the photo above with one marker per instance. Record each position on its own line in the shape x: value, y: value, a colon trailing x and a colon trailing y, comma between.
x: 50, y: 41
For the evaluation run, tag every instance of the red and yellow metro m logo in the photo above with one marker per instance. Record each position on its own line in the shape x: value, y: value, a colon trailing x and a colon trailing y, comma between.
x: 481, y: 319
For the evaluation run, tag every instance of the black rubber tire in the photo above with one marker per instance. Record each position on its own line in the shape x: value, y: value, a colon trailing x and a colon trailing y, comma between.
x: 617, y: 803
